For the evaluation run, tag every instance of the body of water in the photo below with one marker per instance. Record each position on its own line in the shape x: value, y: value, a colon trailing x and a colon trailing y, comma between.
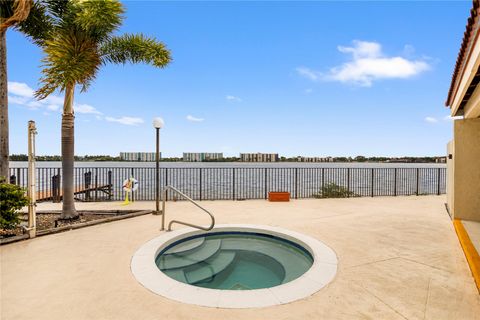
x: 119, y: 164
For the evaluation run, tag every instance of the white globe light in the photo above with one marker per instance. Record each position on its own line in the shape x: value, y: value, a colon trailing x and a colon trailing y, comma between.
x: 158, y: 123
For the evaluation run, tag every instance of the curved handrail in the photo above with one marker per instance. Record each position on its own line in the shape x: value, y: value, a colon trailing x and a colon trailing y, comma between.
x: 164, y: 198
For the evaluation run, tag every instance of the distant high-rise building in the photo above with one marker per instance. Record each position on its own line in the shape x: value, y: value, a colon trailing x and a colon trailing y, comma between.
x: 201, y: 156
x: 259, y: 157
x: 138, y: 156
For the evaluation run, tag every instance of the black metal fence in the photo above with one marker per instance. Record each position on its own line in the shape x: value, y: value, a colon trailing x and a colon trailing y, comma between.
x: 100, y: 184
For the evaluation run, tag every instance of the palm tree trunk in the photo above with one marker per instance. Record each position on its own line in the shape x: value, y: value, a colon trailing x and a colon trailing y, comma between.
x: 68, y: 134
x: 4, y: 150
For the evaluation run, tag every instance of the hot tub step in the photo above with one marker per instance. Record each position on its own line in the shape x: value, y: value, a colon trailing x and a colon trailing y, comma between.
x: 186, y: 247
x: 173, y: 261
x: 176, y: 274
x: 210, y: 267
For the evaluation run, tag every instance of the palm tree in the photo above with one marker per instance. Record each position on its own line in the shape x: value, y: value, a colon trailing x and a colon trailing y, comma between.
x: 11, y: 13
x: 77, y: 39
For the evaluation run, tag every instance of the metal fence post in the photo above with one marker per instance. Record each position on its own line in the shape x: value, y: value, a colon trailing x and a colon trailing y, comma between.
x: 110, y: 185
x: 200, y: 180
x: 372, y: 180
x: 296, y: 183
x: 438, y: 181
x: 395, y: 183
x: 265, y: 182
x: 418, y: 177
x: 166, y: 183
x: 233, y: 183
x: 348, y: 182
x: 323, y: 179
x: 132, y: 194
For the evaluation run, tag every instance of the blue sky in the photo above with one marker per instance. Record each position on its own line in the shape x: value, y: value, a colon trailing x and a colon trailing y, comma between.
x: 297, y: 78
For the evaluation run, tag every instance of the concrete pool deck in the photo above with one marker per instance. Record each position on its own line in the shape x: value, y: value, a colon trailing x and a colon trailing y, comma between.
x: 398, y: 258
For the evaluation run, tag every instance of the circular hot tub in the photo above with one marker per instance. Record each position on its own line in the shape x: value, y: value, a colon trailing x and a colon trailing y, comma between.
x: 234, y: 266
x: 235, y: 260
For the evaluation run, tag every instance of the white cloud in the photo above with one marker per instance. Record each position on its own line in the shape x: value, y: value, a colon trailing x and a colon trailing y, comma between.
x: 233, y: 98
x: 431, y: 119
x: 308, y: 73
x: 20, y: 89
x: 85, y: 108
x: 363, y: 49
x: 368, y: 63
x: 194, y: 119
x: 22, y: 94
x: 17, y: 100
x: 129, y: 121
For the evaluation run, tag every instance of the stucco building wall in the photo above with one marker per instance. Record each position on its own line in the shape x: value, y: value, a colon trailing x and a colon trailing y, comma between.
x: 466, y: 161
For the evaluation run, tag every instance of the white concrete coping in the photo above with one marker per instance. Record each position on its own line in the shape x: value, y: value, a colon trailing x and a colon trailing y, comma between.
x: 319, y: 275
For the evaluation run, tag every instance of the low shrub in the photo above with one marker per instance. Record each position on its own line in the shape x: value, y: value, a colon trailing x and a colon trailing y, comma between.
x: 332, y: 190
x: 12, y: 199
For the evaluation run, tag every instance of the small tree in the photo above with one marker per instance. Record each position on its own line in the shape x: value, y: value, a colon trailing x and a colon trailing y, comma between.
x: 332, y: 190
x: 12, y: 198
x: 78, y: 37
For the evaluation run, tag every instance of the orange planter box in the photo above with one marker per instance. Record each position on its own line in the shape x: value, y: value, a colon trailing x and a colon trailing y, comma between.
x: 278, y: 196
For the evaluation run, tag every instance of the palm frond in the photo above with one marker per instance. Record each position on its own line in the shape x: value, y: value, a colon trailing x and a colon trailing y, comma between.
x: 57, y: 8
x: 38, y: 25
x: 70, y: 58
x: 135, y: 48
x: 98, y: 18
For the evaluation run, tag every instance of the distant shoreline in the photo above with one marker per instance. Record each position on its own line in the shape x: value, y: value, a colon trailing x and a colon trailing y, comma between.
x: 179, y: 164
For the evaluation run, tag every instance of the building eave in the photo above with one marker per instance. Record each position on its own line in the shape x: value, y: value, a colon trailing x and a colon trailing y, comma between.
x: 469, y: 39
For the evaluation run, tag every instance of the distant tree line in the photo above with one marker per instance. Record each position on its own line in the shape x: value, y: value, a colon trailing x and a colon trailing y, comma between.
x: 24, y: 157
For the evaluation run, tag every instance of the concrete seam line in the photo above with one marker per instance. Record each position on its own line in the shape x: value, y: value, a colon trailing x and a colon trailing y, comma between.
x: 471, y: 253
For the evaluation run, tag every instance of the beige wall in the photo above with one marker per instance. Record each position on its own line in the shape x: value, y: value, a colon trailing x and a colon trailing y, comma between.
x: 466, y: 193
x: 450, y: 176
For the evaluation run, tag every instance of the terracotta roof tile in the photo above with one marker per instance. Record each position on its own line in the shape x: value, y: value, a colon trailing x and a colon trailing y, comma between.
x: 465, y: 48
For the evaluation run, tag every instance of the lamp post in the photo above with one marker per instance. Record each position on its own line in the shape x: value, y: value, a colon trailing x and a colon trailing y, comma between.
x: 158, y: 123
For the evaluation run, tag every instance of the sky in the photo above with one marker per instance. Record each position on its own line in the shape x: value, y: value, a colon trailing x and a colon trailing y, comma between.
x: 295, y: 78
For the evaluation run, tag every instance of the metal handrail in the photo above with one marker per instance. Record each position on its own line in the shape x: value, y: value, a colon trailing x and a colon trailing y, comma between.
x: 164, y: 199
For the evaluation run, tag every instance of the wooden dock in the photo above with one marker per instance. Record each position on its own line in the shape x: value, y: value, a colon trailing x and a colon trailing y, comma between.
x: 57, y: 195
